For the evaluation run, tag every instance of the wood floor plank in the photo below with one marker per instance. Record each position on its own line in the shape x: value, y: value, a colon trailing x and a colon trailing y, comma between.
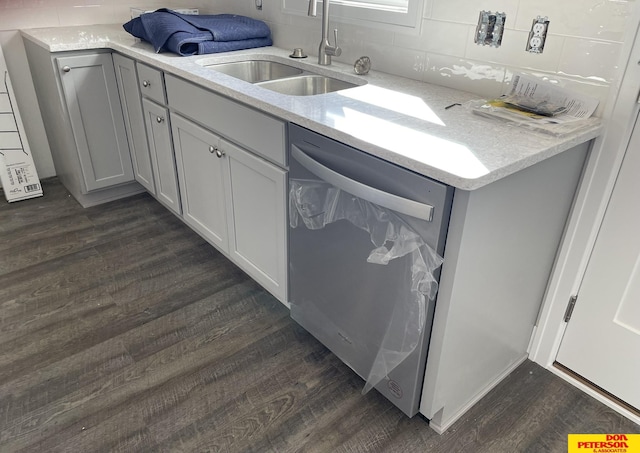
x: 121, y: 330
x: 54, y: 382
x: 106, y: 396
x: 55, y: 202
x: 42, y: 285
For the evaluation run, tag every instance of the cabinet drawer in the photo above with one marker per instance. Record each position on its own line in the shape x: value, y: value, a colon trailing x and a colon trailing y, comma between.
x: 151, y: 83
x: 260, y: 133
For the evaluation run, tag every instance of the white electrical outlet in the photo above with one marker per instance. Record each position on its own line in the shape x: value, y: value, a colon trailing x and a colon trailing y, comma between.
x: 535, y: 42
x: 539, y: 28
x: 538, y: 34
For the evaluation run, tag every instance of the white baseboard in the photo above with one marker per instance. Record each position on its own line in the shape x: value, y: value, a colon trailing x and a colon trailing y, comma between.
x: 443, y: 426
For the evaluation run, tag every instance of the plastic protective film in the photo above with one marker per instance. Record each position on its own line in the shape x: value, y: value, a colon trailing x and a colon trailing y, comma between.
x: 316, y: 204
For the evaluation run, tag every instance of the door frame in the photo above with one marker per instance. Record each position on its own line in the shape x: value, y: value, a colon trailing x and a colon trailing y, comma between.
x: 596, y: 187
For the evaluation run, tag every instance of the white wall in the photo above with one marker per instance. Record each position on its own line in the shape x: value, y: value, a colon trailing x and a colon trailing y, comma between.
x: 582, y: 48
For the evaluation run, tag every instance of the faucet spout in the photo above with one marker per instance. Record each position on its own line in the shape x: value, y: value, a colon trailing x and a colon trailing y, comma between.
x: 325, y: 50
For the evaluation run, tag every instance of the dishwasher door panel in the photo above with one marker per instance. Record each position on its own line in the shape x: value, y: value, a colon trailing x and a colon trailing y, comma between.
x: 345, y: 301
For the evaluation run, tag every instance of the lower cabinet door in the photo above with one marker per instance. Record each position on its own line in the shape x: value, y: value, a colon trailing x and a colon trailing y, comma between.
x: 134, y: 120
x: 257, y: 218
x: 162, y: 157
x: 201, y: 172
x: 91, y: 95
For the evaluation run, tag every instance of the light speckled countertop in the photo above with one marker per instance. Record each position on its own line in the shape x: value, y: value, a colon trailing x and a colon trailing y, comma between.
x: 400, y: 120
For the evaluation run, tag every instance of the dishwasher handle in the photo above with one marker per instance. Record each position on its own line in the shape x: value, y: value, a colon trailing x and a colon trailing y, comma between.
x: 393, y: 202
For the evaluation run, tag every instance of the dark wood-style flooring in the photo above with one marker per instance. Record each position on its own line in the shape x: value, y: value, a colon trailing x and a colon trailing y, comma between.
x: 122, y: 330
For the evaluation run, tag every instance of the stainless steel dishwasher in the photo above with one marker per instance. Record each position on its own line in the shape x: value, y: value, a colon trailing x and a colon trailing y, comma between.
x: 366, y: 239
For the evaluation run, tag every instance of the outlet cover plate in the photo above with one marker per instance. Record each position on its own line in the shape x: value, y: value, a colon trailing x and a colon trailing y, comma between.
x: 538, y: 35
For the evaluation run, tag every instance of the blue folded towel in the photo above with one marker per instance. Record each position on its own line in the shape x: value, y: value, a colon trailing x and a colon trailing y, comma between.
x: 182, y: 44
x: 194, y: 34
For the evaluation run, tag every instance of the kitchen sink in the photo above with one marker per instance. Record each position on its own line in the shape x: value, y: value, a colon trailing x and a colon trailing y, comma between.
x: 254, y: 71
x: 307, y: 85
x: 281, y: 77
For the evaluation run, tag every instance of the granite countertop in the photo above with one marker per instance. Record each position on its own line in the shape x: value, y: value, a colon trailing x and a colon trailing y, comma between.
x: 397, y: 119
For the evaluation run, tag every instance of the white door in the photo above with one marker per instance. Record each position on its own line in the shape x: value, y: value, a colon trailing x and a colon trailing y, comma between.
x: 602, y: 340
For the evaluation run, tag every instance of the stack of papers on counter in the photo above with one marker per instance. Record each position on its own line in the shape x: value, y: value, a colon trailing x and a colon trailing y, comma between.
x: 541, y: 106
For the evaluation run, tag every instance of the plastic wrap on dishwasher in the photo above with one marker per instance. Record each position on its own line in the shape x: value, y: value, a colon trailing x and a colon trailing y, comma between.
x: 316, y: 204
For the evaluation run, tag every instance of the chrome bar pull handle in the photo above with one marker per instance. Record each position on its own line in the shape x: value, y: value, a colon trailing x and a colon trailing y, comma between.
x: 387, y: 200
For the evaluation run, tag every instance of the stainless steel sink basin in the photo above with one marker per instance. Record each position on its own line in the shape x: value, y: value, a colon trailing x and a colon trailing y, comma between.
x: 254, y: 71
x: 280, y: 77
x: 307, y: 85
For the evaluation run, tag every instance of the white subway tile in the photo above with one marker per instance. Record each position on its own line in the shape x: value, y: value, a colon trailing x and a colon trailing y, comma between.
x: 66, y: 3
x: 85, y: 15
x: 467, y: 11
x: 7, y: 4
x: 592, y: 60
x: 484, y: 79
x: 121, y: 13
x: 403, y: 62
x: 446, y: 38
x: 35, y: 3
x: 597, y: 19
x: 293, y: 36
x: 11, y: 19
x: 359, y: 36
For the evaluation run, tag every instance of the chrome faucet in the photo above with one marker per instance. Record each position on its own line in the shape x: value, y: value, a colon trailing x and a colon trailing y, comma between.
x: 326, y: 50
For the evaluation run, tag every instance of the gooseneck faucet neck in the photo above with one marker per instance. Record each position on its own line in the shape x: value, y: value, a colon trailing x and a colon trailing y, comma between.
x: 326, y: 50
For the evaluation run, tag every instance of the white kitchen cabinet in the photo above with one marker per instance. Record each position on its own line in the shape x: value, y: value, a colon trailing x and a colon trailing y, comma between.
x: 256, y: 217
x: 201, y: 175
x: 501, y: 245
x: 127, y: 79
x: 255, y: 131
x: 93, y: 103
x: 162, y: 157
x: 80, y: 105
x: 250, y: 148
x: 235, y: 200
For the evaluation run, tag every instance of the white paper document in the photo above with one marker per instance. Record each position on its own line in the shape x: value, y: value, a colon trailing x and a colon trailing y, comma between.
x: 578, y: 106
x: 541, y: 106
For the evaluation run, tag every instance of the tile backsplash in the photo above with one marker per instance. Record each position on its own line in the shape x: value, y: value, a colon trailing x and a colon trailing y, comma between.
x: 582, y: 48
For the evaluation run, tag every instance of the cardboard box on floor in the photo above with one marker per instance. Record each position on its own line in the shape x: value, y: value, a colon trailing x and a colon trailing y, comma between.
x: 17, y: 171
